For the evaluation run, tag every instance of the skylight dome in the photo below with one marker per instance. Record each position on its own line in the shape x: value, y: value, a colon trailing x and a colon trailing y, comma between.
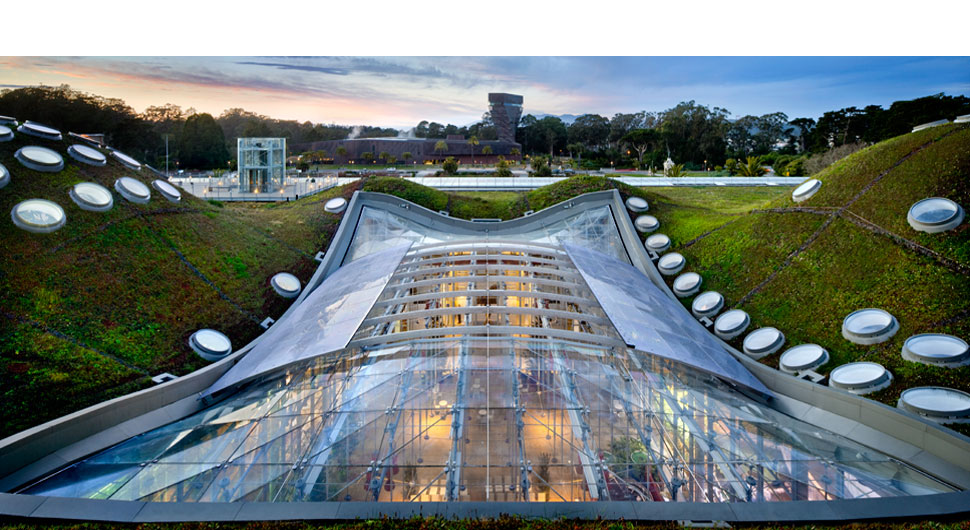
x: 133, y: 190
x: 87, y: 155
x: 167, y: 190
x: 762, y: 342
x: 335, y: 205
x: 4, y: 176
x: 210, y: 344
x: 687, y: 284
x: 657, y: 243
x: 40, y: 131
x: 126, y: 160
x: 934, y: 215
x: 803, y: 357
x: 869, y: 326
x: 646, y: 224
x: 936, y: 123
x: 671, y: 264
x: 38, y: 215
x: 937, y: 403
x: 806, y: 189
x: 707, y: 304
x: 40, y: 159
x: 637, y: 204
x: 92, y: 197
x: 860, y: 378
x: 7, y: 120
x: 936, y: 349
x: 6, y: 133
x: 731, y: 324
x: 286, y: 285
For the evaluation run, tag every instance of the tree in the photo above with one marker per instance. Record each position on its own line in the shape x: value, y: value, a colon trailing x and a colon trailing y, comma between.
x: 202, y: 144
x: 406, y: 156
x: 441, y: 146
x: 641, y: 141
x: 384, y: 155
x: 591, y: 130
x: 515, y: 151
x: 368, y: 156
x: 752, y: 168
x: 694, y: 133
x: 472, y: 142
x: 341, y: 151
x: 540, y: 167
x: 450, y: 165
x: 487, y: 150
x: 805, y: 127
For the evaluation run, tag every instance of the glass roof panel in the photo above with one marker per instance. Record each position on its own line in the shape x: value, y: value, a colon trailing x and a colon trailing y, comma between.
x: 324, y: 321
x: 631, y: 300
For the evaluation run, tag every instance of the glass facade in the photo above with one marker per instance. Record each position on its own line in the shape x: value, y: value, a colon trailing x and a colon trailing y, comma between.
x: 490, y: 371
x: 261, y: 163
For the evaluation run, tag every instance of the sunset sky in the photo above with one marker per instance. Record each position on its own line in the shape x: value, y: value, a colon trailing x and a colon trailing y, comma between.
x: 401, y: 91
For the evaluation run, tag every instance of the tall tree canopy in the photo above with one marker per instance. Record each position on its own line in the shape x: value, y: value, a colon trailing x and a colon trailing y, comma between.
x: 202, y: 144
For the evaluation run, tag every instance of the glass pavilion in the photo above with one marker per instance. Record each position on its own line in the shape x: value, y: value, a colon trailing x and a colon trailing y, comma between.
x: 526, y: 365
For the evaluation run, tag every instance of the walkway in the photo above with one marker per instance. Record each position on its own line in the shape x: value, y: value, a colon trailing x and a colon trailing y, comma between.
x: 531, y: 183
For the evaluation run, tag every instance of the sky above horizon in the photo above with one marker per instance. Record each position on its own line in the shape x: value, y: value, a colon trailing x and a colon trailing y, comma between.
x: 401, y: 91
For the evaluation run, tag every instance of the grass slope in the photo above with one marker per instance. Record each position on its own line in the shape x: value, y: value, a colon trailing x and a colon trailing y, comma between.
x: 848, y: 266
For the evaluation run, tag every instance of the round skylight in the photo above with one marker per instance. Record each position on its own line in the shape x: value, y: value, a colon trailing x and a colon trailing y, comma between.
x: 286, y: 285
x: 4, y: 176
x: 133, y: 190
x: 687, y: 284
x: 7, y: 120
x: 6, y: 133
x: 657, y: 243
x: 646, y: 223
x: 860, y: 378
x: 38, y: 215
x: 803, y: 357
x: 671, y: 264
x: 869, y: 326
x: 806, y: 189
x: 92, y: 197
x: 40, y: 131
x: 731, y: 324
x: 707, y: 304
x: 40, y: 159
x: 936, y: 402
x: 336, y: 205
x: 637, y: 204
x: 936, y: 348
x: 126, y: 160
x: 936, y: 123
x: 167, y: 190
x: 935, y: 215
x: 88, y: 155
x: 210, y: 344
x: 763, y: 341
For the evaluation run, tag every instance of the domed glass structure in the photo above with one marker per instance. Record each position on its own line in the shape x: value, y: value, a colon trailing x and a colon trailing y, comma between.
x: 436, y: 360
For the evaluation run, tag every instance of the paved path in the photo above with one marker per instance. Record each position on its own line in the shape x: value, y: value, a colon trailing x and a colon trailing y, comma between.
x: 530, y: 183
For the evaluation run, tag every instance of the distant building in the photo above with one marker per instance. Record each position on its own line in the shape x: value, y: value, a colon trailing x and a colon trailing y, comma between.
x: 505, y: 109
x: 262, y: 164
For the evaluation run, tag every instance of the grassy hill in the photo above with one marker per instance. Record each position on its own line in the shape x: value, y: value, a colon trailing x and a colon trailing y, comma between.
x: 802, y: 268
x: 94, y: 309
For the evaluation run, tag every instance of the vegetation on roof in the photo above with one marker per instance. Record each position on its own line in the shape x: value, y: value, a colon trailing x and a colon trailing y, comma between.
x: 93, y: 310
x: 803, y: 267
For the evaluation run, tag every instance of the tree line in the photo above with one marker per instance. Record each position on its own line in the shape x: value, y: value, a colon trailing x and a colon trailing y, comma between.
x: 690, y: 133
x: 704, y: 137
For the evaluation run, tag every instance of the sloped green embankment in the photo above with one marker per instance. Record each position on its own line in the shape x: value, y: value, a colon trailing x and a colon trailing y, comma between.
x: 803, y: 267
x: 91, y: 311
